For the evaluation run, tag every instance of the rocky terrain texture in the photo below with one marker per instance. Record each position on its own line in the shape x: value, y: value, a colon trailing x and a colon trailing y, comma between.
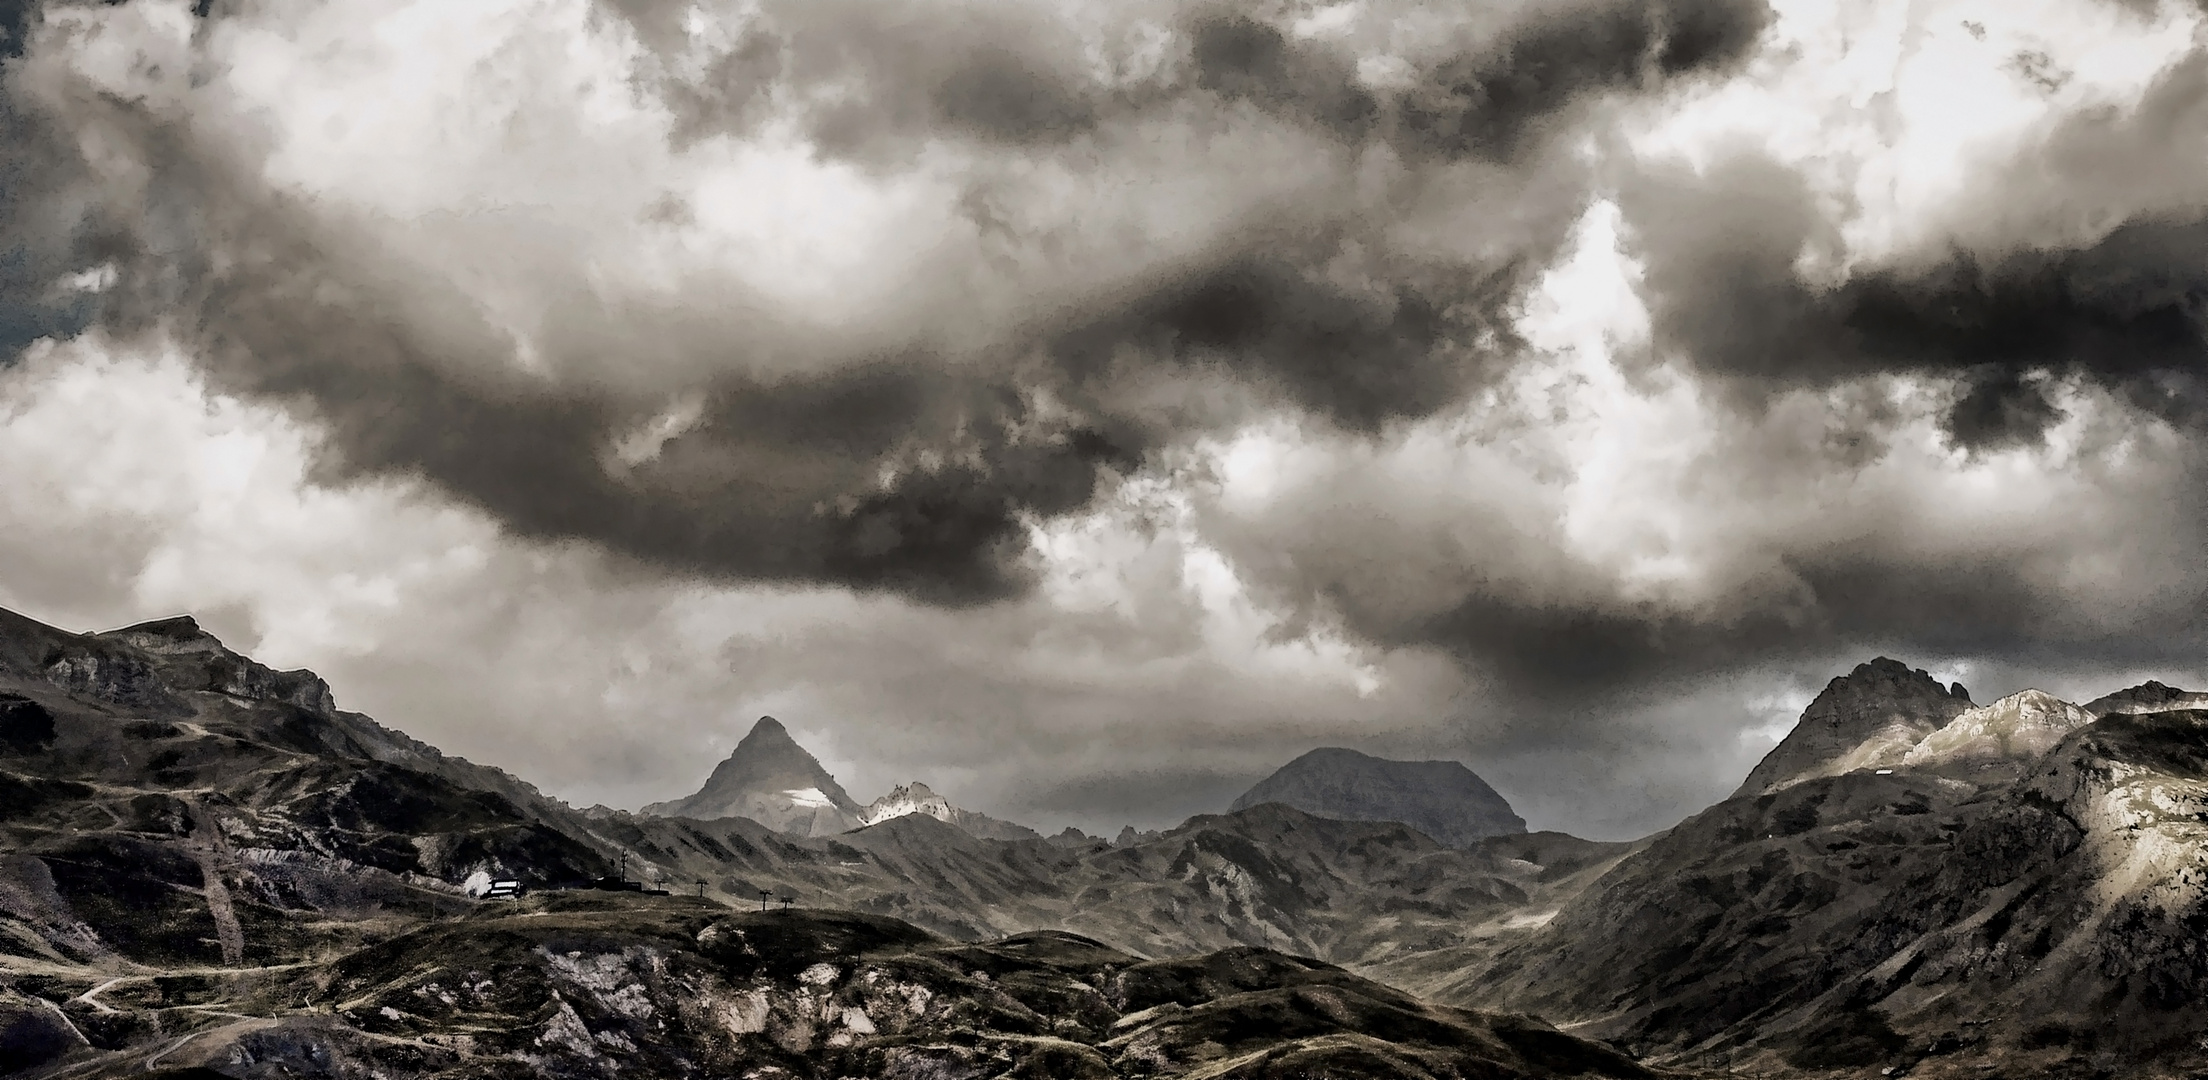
x: 611, y: 985
x: 772, y: 780
x: 207, y: 862
x: 918, y: 798
x: 2020, y: 895
x: 1442, y: 799
x: 2149, y: 696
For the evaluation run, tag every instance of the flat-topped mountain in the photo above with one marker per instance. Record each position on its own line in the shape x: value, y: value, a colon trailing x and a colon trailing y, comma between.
x: 772, y: 780
x: 1867, y: 718
x: 1442, y: 799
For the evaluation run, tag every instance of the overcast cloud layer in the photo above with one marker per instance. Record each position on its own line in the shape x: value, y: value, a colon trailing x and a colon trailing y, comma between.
x: 1087, y: 406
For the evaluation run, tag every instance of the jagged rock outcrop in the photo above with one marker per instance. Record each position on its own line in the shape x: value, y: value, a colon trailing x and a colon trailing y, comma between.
x: 1442, y: 799
x: 1996, y: 743
x: 1867, y: 719
x: 772, y: 780
x: 918, y: 798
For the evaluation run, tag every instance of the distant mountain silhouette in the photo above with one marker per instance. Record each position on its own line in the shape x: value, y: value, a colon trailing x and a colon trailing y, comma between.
x: 1442, y: 799
x: 772, y: 780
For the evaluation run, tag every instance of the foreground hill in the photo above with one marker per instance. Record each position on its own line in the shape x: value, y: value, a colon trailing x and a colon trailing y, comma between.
x: 606, y: 985
x: 2019, y: 893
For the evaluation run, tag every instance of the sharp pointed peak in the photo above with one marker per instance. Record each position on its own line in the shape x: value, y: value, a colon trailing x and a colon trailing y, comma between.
x: 768, y: 731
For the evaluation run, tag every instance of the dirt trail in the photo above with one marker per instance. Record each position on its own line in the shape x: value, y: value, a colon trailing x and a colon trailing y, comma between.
x: 210, y: 849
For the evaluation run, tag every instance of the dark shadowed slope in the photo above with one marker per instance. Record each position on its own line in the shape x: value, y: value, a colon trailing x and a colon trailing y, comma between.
x: 1442, y: 799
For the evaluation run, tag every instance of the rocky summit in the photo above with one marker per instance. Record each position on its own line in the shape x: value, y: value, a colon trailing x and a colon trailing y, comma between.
x: 1442, y: 799
x: 919, y: 798
x: 772, y: 780
x: 1867, y: 718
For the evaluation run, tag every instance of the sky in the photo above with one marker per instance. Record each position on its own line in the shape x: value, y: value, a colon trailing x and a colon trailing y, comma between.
x: 1086, y: 407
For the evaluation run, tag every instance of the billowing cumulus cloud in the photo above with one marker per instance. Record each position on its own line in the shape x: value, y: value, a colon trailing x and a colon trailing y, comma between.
x: 1128, y: 395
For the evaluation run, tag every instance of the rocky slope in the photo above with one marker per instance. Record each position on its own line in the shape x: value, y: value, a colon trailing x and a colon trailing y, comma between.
x: 607, y: 985
x: 918, y: 798
x: 1996, y: 743
x: 1442, y: 799
x: 1865, y: 719
x: 2016, y: 894
x: 2149, y: 696
x: 772, y: 780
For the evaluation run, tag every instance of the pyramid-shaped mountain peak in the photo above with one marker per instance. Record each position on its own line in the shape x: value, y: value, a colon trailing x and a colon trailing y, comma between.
x: 772, y: 780
x: 769, y: 732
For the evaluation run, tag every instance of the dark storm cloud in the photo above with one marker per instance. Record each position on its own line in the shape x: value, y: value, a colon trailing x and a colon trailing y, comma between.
x: 1406, y: 344
x: 902, y: 464
x: 782, y: 479
x: 1241, y: 58
x: 2127, y: 309
x: 993, y: 73
x: 775, y: 482
x: 1488, y: 102
x: 1491, y: 103
x: 1542, y: 657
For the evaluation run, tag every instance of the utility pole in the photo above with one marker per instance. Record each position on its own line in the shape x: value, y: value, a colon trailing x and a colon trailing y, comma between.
x: 762, y: 901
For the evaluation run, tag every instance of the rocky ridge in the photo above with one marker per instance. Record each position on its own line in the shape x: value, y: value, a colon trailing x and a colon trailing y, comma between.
x: 2015, y: 892
x: 918, y: 798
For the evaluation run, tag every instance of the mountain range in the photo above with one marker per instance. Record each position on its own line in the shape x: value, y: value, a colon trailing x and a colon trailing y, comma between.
x: 208, y: 864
